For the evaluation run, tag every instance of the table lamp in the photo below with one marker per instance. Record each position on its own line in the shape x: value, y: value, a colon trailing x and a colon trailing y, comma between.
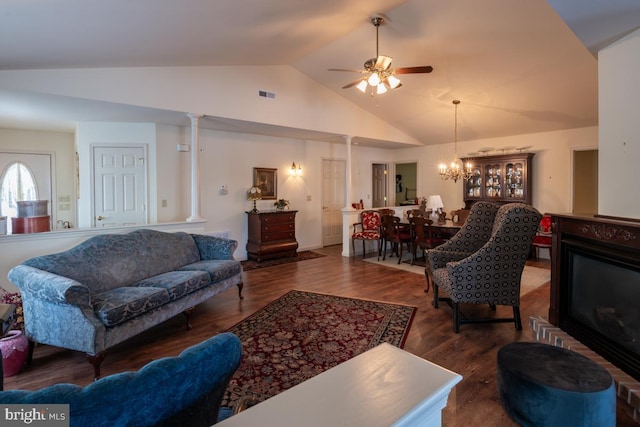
x: 435, y: 204
x: 253, y: 194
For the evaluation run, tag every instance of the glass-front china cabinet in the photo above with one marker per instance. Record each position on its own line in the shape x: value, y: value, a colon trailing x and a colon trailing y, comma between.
x: 502, y: 178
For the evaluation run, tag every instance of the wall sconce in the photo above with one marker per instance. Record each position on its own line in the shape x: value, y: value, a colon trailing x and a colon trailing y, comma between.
x: 295, y: 170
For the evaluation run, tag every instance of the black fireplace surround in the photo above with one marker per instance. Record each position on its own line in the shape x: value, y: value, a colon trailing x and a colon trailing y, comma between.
x: 595, y: 286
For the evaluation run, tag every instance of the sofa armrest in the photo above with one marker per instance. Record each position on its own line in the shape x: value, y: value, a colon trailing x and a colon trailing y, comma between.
x: 50, y: 287
x: 212, y: 247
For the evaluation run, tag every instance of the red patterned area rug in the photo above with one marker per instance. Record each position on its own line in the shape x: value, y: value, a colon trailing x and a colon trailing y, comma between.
x: 302, y: 334
x: 302, y: 256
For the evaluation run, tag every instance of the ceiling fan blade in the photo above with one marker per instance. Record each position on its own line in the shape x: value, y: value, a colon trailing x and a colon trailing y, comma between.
x: 383, y: 62
x: 413, y: 70
x: 352, y: 84
x: 346, y: 69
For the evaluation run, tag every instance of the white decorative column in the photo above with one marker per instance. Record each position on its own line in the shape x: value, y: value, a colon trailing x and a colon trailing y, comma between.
x: 195, y: 169
x: 349, y: 215
x: 347, y: 139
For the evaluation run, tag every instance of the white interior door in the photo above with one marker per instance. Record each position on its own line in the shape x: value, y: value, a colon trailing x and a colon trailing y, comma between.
x: 334, y: 178
x: 120, y: 189
x: 379, y: 185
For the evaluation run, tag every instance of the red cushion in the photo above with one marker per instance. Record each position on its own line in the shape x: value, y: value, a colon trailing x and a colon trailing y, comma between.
x: 545, y: 224
x: 367, y: 235
x: 542, y: 241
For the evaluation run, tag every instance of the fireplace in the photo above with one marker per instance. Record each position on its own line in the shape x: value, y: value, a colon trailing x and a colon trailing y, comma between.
x: 595, y: 286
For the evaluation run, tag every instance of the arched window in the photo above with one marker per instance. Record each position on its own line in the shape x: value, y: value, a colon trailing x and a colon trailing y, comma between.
x: 17, y: 183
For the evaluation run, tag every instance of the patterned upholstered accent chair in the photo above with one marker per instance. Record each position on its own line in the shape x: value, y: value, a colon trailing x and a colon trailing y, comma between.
x: 472, y: 236
x: 491, y: 274
x: 367, y: 229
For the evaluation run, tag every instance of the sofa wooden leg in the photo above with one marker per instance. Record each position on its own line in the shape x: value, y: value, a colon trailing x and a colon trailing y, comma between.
x: 96, y: 360
x: 240, y: 286
x: 187, y: 314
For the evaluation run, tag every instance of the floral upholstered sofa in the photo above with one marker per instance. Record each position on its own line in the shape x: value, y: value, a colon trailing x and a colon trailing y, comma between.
x: 114, y: 286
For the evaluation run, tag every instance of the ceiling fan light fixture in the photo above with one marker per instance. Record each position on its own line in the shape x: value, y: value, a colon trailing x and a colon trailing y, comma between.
x: 378, y: 72
x: 374, y: 79
x: 393, y: 82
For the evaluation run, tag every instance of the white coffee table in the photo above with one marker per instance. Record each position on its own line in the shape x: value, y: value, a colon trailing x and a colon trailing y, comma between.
x: 385, y: 386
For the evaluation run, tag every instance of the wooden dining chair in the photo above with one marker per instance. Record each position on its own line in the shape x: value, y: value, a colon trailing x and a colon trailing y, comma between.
x: 396, y: 234
x: 459, y: 216
x: 422, y: 237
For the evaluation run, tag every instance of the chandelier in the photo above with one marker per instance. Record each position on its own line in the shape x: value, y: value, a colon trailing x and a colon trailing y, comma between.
x: 456, y: 169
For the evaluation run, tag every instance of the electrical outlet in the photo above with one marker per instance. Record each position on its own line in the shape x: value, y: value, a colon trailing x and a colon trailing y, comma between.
x: 164, y: 203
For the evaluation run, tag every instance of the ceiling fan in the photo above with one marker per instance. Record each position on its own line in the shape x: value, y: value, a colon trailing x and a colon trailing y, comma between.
x: 378, y: 71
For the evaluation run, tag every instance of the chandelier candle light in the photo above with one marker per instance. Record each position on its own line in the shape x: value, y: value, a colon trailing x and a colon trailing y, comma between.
x: 253, y: 194
x: 456, y: 170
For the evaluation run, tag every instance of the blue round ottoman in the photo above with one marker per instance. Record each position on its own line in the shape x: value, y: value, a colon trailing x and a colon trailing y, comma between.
x: 543, y: 385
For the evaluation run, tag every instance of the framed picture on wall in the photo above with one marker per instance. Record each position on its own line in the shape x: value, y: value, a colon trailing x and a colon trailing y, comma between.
x: 267, y: 180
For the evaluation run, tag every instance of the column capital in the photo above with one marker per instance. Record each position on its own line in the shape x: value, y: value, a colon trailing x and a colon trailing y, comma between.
x: 194, y: 116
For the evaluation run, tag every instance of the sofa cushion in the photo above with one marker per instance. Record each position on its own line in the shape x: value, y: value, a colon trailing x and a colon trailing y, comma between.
x: 118, y: 305
x: 177, y: 283
x: 218, y: 269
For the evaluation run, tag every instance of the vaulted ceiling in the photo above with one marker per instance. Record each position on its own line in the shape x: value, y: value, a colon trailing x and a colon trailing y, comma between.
x: 518, y: 67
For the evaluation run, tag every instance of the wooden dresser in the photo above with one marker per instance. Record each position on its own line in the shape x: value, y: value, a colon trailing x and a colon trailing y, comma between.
x: 272, y: 234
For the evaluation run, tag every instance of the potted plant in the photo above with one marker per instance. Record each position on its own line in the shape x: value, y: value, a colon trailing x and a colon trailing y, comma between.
x: 280, y: 204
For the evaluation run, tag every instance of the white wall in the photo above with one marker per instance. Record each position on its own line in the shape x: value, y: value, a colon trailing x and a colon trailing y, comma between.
x: 229, y: 158
x: 619, y: 104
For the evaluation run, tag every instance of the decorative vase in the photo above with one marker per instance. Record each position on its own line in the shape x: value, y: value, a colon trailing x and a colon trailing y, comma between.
x: 14, y: 347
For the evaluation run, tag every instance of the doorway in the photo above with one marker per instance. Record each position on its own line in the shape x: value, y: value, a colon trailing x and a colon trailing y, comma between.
x: 334, y: 178
x: 585, y: 182
x: 38, y: 168
x: 406, y: 183
x: 380, y: 185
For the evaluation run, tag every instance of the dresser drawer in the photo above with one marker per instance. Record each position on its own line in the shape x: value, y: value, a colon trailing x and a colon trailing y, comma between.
x: 279, y: 218
x: 278, y: 235
x: 274, y: 227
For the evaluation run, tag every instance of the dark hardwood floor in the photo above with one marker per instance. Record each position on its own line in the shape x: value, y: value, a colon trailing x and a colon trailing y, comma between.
x: 471, y: 353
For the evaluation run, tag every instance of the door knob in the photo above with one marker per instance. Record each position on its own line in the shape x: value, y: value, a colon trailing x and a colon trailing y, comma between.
x: 99, y: 218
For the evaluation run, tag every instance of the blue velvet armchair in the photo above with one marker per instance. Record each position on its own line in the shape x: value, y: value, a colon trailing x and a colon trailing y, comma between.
x: 174, y: 391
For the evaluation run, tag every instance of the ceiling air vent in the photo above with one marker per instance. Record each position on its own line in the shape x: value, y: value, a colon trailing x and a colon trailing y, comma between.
x: 265, y: 94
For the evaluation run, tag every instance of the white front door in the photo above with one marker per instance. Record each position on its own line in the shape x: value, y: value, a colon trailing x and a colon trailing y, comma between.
x: 334, y: 177
x: 120, y: 186
x: 40, y: 166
